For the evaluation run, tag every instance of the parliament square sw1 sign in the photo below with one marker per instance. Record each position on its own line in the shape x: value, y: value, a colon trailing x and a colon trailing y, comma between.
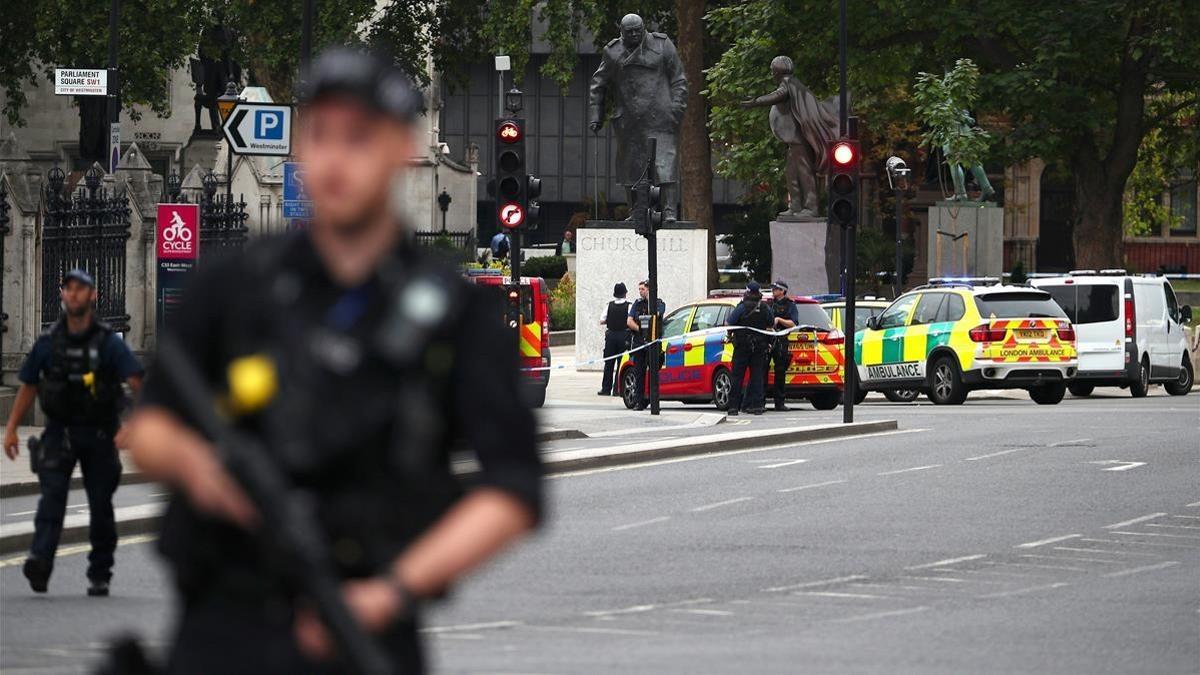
x: 80, y: 82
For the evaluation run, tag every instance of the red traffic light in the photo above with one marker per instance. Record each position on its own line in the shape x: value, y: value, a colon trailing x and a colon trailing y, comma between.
x: 512, y: 215
x: 843, y: 154
x: 508, y: 132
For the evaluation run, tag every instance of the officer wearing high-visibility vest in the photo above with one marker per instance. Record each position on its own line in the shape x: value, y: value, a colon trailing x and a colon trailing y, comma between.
x: 786, y: 316
x: 639, y: 314
x: 749, y: 351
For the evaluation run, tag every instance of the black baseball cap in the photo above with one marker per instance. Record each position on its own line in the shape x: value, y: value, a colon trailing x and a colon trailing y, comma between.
x: 369, y: 78
x: 779, y: 285
x: 80, y: 276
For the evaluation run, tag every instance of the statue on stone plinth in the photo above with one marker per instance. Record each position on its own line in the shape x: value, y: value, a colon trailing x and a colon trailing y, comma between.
x: 212, y: 69
x: 642, y: 74
x: 807, y: 125
x: 943, y: 104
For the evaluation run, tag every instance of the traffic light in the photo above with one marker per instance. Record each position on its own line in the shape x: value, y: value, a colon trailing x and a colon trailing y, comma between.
x: 844, y: 161
x: 647, y: 208
x: 512, y: 308
x: 510, y: 180
x: 533, y: 189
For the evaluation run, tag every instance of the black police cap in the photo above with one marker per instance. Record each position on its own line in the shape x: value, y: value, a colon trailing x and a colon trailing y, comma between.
x: 367, y: 78
x: 80, y: 276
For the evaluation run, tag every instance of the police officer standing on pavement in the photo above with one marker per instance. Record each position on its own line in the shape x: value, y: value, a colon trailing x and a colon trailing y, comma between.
x: 76, y: 370
x: 786, y: 317
x: 639, y: 323
x: 385, y: 360
x: 750, y: 351
x: 616, y: 334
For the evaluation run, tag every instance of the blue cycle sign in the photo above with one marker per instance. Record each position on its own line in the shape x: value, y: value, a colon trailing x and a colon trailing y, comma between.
x: 260, y: 129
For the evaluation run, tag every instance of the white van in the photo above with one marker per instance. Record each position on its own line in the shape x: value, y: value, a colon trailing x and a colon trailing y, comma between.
x: 1128, y: 331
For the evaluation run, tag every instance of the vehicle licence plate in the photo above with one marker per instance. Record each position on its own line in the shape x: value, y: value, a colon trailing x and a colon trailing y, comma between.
x: 1030, y: 334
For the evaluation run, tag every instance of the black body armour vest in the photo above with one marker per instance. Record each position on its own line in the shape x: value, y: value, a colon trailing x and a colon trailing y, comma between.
x: 77, y: 388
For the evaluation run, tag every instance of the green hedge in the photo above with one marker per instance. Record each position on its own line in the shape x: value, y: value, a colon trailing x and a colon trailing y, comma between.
x: 547, y: 267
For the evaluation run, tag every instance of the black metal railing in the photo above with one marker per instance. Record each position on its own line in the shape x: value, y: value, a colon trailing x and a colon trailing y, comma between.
x: 5, y: 228
x: 446, y: 240
x: 85, y: 230
x: 222, y: 220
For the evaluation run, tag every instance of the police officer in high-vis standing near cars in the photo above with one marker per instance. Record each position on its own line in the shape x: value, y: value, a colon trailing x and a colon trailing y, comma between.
x: 383, y: 360
x: 749, y: 351
x: 639, y: 324
x: 76, y: 371
x: 786, y: 317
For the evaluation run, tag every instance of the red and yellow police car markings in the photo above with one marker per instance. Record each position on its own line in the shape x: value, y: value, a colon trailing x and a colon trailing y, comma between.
x: 694, y: 351
x: 531, y: 339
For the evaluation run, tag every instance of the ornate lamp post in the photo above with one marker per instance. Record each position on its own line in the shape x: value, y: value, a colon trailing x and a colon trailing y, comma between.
x: 444, y: 200
x: 225, y: 104
x: 174, y: 186
x: 513, y: 100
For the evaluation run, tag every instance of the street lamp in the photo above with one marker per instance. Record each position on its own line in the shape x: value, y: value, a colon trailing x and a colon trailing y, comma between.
x: 513, y: 100
x: 897, y: 173
x: 174, y: 185
x: 225, y: 104
x: 444, y: 200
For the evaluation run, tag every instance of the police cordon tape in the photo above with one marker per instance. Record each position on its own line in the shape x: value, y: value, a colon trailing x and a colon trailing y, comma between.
x: 696, y: 333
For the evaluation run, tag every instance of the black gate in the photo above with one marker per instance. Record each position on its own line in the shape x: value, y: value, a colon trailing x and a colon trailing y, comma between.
x: 5, y: 228
x: 85, y: 230
x: 222, y: 220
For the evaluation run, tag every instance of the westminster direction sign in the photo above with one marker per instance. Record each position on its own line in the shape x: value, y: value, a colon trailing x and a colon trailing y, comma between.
x: 260, y: 129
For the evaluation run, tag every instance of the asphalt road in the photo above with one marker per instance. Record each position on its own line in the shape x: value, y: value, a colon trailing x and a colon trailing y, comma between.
x: 997, y: 537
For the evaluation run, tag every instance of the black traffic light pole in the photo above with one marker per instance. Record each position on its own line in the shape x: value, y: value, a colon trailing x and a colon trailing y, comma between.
x: 646, y: 222
x: 850, y: 379
x: 114, y: 77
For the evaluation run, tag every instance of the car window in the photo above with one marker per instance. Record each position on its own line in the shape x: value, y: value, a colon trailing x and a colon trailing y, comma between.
x: 953, y: 308
x: 897, y: 313
x: 707, y: 316
x: 927, y: 308
x: 1087, y: 303
x: 675, y: 322
x: 1172, y: 303
x: 1019, y: 305
x: 813, y: 315
x: 861, y: 314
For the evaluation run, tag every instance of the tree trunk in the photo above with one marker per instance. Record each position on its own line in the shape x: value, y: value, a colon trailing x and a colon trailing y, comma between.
x: 1099, y: 234
x: 695, y: 151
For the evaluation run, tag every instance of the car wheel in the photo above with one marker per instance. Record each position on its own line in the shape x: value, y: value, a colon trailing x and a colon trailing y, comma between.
x: 1139, y: 387
x: 722, y: 386
x: 945, y: 383
x: 537, y: 397
x: 1182, y: 385
x: 901, y: 395
x: 826, y: 400
x: 1081, y: 389
x: 1048, y: 394
x: 629, y: 388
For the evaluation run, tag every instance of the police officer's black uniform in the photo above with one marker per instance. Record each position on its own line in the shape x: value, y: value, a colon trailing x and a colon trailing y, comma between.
x: 79, y: 380
x: 750, y: 351
x: 781, y: 355
x: 616, y: 335
x: 377, y: 384
x: 640, y: 309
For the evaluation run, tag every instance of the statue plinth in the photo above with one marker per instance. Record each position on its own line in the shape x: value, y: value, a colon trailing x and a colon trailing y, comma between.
x: 805, y: 253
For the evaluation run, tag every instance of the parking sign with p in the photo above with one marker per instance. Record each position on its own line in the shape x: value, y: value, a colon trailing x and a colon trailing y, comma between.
x: 260, y: 129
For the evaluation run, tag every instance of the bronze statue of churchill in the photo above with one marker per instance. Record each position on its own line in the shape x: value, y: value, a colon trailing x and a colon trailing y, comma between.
x: 642, y: 74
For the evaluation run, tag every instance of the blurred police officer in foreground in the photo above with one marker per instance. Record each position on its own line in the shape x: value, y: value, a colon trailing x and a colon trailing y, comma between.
x: 786, y: 317
x: 76, y: 370
x: 616, y: 334
x: 750, y: 351
x: 364, y: 430
x: 639, y: 315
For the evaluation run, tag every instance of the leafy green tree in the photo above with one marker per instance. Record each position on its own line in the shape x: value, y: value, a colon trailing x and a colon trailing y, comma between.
x: 942, y: 103
x: 1080, y: 84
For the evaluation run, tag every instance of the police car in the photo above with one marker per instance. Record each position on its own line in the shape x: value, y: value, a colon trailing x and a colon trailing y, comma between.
x: 864, y: 309
x: 696, y: 367
x: 950, y: 337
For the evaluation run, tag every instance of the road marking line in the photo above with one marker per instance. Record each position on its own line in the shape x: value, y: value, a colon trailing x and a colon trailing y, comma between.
x: 1023, y: 591
x: 814, y: 584
x: 1062, y: 443
x: 782, y: 464
x: 1156, y: 534
x: 995, y: 454
x: 1044, y: 567
x: 472, y: 626
x: 636, y: 609
x: 1068, y: 557
x: 895, y: 586
x: 1140, y: 543
x: 595, y: 629
x: 641, y: 523
x: 729, y: 453
x: 727, y: 502
x: 81, y: 548
x: 1180, y: 527
x: 1043, y: 542
x: 1100, y: 550
x: 881, y: 615
x: 994, y: 572
x: 1133, y: 521
x: 948, y: 561
x: 705, y: 612
x: 813, y: 485
x: 1189, y: 517
x: 1193, y: 504
x: 1147, y: 568
x: 21, y: 513
x: 833, y: 594
x: 946, y: 579
x: 915, y: 468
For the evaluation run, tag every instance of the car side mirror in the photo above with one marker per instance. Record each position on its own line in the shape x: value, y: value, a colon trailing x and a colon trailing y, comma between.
x: 1185, y: 314
x: 873, y: 322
